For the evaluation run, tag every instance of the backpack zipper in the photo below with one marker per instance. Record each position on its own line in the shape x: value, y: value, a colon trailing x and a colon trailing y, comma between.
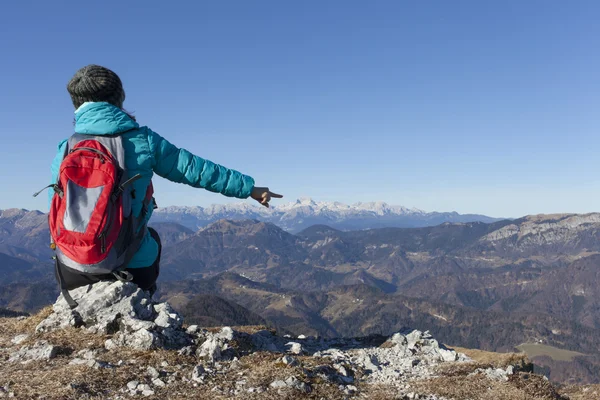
x: 54, y: 186
x: 102, y: 235
x: 112, y: 201
x: 102, y: 238
x: 90, y: 149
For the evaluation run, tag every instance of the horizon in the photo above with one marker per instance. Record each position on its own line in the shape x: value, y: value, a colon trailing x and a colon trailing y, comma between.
x: 472, y: 107
x: 304, y: 199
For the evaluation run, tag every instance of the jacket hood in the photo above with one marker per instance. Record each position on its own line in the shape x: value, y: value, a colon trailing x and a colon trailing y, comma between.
x: 102, y: 119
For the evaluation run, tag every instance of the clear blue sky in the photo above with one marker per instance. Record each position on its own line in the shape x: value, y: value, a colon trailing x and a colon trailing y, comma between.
x: 475, y: 106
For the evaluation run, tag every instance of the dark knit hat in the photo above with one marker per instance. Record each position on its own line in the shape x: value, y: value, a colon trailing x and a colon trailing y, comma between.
x: 96, y: 83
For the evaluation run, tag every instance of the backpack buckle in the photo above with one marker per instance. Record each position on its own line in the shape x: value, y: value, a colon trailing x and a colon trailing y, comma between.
x: 123, y: 276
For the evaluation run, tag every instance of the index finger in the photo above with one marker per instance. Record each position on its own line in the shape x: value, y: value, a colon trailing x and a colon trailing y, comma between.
x: 277, y: 196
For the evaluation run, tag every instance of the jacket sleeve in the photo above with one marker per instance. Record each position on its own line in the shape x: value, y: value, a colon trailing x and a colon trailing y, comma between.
x: 54, y: 168
x: 181, y: 166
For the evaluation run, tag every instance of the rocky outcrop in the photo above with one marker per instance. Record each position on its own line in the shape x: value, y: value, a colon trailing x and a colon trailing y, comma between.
x: 545, y: 229
x: 122, y: 310
x: 128, y: 317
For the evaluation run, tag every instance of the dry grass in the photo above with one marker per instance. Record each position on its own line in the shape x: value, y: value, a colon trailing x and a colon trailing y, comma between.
x: 484, y: 359
x: 496, y: 360
x: 56, y: 379
x: 10, y: 327
x: 521, y: 386
x: 456, y: 381
x: 587, y: 392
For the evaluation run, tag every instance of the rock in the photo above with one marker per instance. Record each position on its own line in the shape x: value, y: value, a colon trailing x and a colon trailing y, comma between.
x: 290, y: 361
x: 192, y: 330
x: 152, y: 372
x: 133, y: 320
x: 140, y: 340
x: 278, y: 384
x: 404, y: 356
x: 123, y: 310
x: 216, y: 347
x: 167, y: 317
x: 497, y: 374
x: 210, y: 350
x: 199, y: 373
x: 341, y: 369
x: 187, y: 351
x: 294, y: 383
x: 397, y: 339
x: 83, y: 361
x: 448, y: 355
x: 158, y: 382
x: 19, y: 339
x: 41, y: 350
x: 291, y: 382
x: 294, y: 348
x: 226, y: 334
x: 87, y: 354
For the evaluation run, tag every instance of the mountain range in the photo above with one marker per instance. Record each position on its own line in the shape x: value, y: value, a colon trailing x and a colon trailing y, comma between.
x: 306, y: 212
x: 490, y: 285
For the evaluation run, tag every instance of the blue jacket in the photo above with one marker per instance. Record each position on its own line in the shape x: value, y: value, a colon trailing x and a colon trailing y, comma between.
x: 146, y: 153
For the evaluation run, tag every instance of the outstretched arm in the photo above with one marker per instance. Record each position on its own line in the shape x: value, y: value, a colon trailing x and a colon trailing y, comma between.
x: 181, y: 166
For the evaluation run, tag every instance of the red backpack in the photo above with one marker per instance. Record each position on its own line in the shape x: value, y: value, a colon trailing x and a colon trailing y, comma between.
x: 91, y: 225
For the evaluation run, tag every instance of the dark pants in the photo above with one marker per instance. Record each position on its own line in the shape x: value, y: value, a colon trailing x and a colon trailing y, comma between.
x: 145, y: 278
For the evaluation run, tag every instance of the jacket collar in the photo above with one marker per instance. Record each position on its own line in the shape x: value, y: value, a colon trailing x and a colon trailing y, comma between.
x: 100, y: 118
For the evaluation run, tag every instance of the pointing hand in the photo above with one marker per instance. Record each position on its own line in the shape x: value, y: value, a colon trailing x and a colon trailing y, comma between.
x: 263, y: 195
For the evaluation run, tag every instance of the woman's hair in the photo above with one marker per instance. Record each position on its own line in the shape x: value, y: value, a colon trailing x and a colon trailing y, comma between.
x: 129, y: 114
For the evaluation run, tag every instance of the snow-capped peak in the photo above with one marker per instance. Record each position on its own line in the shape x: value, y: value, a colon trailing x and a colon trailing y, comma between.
x: 306, y: 204
x: 306, y: 211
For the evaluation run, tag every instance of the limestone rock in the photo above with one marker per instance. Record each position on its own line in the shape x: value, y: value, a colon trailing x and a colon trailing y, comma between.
x: 294, y: 348
x: 158, y: 382
x: 41, y: 350
x: 19, y: 339
x: 199, y: 373
x: 290, y: 361
x: 123, y: 310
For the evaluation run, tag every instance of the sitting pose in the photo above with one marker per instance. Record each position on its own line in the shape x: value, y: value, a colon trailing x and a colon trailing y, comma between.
x: 102, y: 194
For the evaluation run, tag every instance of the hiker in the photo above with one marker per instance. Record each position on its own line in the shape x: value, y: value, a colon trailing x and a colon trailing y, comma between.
x: 102, y: 197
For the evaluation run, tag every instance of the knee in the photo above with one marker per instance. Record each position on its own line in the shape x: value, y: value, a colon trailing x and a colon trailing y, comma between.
x: 155, y: 236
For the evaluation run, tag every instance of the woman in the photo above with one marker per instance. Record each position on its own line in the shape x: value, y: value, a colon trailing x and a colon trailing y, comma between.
x: 97, y: 94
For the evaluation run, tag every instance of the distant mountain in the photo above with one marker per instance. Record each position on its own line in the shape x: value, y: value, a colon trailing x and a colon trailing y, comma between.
x: 304, y: 213
x: 24, y: 234
x: 511, y: 281
x: 14, y: 269
x: 208, y: 310
x: 362, y: 310
x: 171, y: 232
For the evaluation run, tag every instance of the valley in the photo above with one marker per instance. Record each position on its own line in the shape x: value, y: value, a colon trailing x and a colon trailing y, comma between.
x: 491, y: 286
